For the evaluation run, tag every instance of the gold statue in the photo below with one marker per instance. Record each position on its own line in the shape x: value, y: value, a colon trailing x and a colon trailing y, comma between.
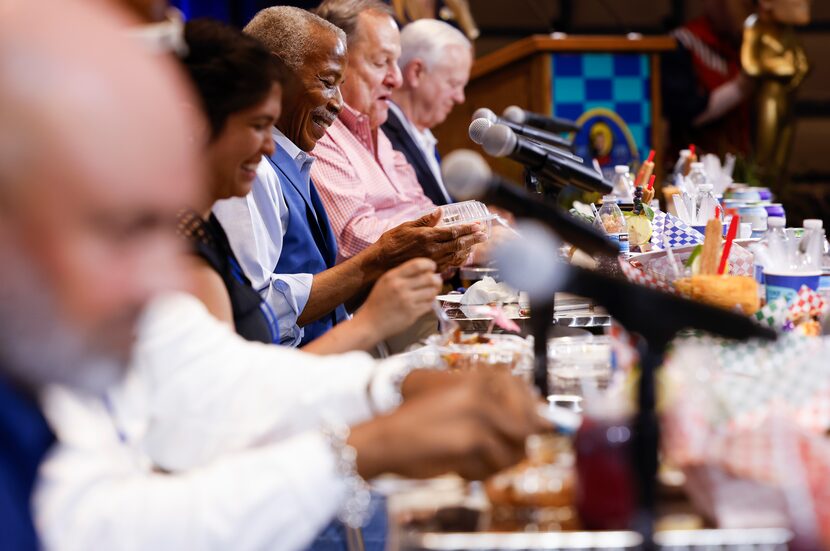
x: 772, y: 54
x: 456, y: 10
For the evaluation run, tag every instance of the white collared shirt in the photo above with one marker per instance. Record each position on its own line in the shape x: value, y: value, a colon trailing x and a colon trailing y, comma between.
x: 426, y: 142
x: 232, y: 423
x: 256, y: 226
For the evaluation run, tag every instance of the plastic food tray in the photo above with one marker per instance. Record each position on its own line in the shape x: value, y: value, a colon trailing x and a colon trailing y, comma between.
x: 502, y: 350
x: 465, y: 212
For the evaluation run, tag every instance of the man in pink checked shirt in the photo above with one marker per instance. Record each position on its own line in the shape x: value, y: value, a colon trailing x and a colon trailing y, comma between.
x: 366, y: 186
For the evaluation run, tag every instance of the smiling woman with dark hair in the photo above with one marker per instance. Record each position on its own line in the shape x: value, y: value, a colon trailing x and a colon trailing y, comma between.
x: 238, y: 85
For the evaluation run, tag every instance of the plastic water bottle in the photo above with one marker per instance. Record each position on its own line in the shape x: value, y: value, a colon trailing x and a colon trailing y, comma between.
x: 623, y: 184
x: 707, y: 204
x: 812, y: 246
x: 779, y: 246
x: 612, y: 221
x: 697, y: 177
x: 681, y: 162
x: 761, y: 262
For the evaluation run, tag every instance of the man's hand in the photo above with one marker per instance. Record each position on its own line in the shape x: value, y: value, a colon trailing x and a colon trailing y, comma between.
x: 400, y: 297
x: 447, y: 246
x: 475, y: 425
x: 482, y: 252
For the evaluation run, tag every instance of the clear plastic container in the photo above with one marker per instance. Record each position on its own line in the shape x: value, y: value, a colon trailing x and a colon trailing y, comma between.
x: 612, y: 222
x: 577, y: 361
x: 466, y: 212
x: 623, y: 184
x: 471, y: 350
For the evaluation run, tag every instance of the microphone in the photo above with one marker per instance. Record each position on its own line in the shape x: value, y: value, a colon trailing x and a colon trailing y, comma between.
x: 516, y: 114
x: 467, y: 176
x: 479, y: 126
x: 525, y: 130
x: 500, y: 141
x: 477, y: 129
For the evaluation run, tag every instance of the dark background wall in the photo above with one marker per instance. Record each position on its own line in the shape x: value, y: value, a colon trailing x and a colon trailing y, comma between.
x: 504, y: 21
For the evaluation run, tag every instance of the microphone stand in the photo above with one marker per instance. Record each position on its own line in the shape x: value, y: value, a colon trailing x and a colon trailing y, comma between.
x: 541, y: 314
x: 531, y: 181
x: 657, y: 317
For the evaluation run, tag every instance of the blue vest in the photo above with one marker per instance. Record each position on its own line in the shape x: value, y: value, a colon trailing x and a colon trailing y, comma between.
x: 309, y: 246
x: 24, y: 439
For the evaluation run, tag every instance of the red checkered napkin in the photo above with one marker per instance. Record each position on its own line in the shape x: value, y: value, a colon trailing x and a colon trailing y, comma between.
x: 647, y: 279
x: 806, y: 303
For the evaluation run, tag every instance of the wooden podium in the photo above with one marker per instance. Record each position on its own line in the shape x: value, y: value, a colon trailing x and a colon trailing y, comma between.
x: 610, y: 85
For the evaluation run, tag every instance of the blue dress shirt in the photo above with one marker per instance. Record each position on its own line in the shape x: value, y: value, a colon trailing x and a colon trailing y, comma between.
x: 24, y: 439
x: 281, y: 236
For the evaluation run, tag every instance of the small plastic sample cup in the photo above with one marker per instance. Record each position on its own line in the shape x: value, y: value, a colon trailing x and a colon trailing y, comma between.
x: 467, y: 212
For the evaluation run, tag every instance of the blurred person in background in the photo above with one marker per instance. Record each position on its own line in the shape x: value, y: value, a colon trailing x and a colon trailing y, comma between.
x: 88, y: 211
x: 435, y: 65
x: 456, y: 12
x: 280, y: 231
x: 239, y: 461
x: 706, y: 96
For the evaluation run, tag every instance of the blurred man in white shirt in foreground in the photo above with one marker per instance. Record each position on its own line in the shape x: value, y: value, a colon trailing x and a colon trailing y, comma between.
x: 215, y: 442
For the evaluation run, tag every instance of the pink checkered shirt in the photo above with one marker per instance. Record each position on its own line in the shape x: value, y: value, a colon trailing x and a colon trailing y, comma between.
x: 366, y: 191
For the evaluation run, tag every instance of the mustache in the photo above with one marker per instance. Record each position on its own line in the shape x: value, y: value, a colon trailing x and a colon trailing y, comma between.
x: 325, y: 116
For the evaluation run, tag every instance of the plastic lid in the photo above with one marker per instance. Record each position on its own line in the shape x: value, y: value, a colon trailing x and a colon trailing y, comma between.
x: 776, y: 222
x: 705, y: 187
x: 697, y: 165
x: 813, y: 224
x: 609, y: 199
x: 621, y: 169
x: 463, y: 213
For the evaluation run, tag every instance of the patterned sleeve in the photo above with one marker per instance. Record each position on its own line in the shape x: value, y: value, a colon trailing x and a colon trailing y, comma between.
x: 349, y: 208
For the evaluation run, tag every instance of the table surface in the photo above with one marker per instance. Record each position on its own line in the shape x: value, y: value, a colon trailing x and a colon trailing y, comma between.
x: 569, y: 311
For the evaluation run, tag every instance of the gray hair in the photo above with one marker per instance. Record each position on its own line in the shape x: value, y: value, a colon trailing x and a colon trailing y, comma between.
x: 427, y: 39
x: 344, y: 13
x: 289, y: 32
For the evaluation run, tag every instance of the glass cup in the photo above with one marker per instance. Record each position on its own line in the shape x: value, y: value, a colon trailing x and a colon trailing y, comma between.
x: 577, y: 361
x: 605, y: 490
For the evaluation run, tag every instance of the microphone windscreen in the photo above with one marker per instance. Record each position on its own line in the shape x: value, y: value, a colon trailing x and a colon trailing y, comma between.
x: 466, y: 174
x: 484, y: 113
x: 477, y: 129
x: 499, y: 141
x: 514, y: 113
x: 531, y: 262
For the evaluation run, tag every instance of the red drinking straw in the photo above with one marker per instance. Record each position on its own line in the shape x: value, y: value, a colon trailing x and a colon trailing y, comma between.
x: 651, y: 181
x: 717, y: 212
x: 650, y: 156
x: 692, y: 148
x: 730, y: 237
